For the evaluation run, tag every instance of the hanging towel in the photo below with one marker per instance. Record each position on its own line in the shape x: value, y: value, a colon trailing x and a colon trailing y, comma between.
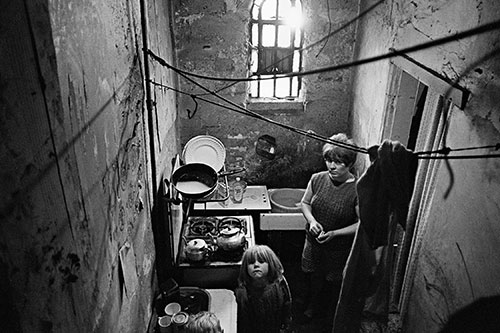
x: 385, y: 189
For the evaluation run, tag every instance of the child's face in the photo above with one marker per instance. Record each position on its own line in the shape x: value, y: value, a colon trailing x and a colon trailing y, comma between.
x: 258, y: 270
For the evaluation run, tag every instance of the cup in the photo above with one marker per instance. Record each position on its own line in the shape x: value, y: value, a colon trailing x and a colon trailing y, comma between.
x: 172, y: 308
x: 179, y: 320
x: 165, y: 324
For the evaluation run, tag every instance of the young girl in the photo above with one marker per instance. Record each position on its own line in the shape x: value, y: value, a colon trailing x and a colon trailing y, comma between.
x: 263, y: 296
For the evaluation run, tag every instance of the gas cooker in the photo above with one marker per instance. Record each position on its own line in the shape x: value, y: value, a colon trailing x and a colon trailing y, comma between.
x: 208, y: 228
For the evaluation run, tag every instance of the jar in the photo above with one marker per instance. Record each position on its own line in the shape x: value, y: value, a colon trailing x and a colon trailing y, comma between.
x: 238, y: 189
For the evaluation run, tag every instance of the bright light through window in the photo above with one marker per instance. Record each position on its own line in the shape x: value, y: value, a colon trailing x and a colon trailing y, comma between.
x: 293, y: 17
x: 276, y: 41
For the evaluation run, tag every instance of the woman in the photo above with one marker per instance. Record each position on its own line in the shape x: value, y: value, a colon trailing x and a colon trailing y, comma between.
x: 330, y: 208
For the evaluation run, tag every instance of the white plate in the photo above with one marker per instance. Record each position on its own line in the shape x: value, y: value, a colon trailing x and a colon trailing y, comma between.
x: 205, y: 149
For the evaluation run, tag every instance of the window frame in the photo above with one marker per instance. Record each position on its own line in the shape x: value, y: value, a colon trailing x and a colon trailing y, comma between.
x: 273, y: 52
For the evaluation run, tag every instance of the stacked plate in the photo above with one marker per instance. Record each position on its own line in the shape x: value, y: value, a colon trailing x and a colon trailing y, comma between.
x: 205, y: 149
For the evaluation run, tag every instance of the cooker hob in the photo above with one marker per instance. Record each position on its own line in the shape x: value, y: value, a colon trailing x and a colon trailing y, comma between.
x: 208, y: 228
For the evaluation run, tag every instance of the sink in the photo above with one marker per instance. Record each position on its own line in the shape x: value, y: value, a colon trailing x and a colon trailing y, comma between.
x: 191, y: 299
x: 286, y: 200
x: 194, y: 299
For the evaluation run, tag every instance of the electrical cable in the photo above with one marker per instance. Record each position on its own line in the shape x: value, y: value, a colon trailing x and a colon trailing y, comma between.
x: 481, y: 29
x: 244, y: 111
x: 447, y: 150
x: 459, y: 157
x: 436, y: 42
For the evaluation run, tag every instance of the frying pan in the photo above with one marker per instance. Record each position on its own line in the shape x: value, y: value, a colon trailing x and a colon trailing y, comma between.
x: 197, y: 180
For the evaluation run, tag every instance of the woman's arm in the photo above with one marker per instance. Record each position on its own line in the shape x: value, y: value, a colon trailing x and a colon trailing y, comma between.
x: 345, y: 231
x: 313, y: 226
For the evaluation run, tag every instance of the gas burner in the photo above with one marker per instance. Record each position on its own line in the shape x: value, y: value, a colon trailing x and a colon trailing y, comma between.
x: 231, y: 222
x: 202, y: 226
x: 229, y: 256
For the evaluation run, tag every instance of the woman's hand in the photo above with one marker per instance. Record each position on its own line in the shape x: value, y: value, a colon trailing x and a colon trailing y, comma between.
x: 315, y: 228
x: 324, y: 237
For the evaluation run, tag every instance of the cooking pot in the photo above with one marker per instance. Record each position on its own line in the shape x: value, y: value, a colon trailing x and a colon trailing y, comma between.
x: 197, y: 180
x: 196, y: 249
x: 231, y: 238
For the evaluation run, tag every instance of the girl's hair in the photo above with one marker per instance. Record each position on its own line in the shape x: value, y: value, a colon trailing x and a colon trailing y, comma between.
x: 203, y: 322
x: 260, y: 253
x: 340, y: 154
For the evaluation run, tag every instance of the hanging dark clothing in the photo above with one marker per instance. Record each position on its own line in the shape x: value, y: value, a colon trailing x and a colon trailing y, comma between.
x: 384, y: 193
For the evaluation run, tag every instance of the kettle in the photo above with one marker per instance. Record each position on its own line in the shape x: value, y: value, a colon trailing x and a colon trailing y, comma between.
x: 231, y: 238
x: 196, y: 249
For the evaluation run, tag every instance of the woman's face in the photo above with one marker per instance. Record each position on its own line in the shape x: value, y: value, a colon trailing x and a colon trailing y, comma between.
x: 337, y: 169
x: 258, y: 270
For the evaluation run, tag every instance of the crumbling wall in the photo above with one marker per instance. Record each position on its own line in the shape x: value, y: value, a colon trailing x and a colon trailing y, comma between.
x: 77, y: 248
x: 211, y: 39
x: 454, y: 264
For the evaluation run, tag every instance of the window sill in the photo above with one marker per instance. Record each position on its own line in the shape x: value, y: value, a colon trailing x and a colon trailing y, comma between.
x: 273, y: 105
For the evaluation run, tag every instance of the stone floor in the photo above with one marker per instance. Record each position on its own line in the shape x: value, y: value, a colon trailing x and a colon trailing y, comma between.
x: 289, y: 251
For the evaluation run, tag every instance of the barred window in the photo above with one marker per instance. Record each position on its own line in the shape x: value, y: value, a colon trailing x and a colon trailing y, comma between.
x: 275, y: 48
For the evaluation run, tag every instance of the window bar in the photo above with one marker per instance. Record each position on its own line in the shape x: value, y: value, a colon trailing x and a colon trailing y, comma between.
x: 275, y: 51
x: 292, y: 49
x: 299, y: 78
x: 259, y: 54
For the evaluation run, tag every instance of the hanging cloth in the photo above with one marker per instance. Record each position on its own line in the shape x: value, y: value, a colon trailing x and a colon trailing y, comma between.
x: 384, y: 193
x: 385, y: 190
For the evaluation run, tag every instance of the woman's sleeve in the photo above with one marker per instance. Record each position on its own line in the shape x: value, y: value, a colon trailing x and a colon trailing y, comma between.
x: 308, y: 194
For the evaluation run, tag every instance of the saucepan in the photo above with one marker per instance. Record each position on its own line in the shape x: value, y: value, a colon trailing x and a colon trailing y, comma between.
x: 198, y: 180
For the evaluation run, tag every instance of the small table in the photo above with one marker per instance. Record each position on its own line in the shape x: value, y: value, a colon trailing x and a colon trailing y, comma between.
x: 255, y: 198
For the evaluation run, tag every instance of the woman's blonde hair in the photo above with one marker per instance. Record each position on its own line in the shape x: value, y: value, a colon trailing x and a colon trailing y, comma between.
x: 260, y: 253
x: 340, y: 154
x: 203, y: 322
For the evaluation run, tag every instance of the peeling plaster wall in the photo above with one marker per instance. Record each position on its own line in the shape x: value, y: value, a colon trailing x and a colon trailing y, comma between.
x: 77, y: 252
x: 211, y: 40
x: 456, y: 261
x: 164, y: 120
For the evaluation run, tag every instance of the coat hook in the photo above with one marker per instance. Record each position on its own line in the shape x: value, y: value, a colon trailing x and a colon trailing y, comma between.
x: 192, y: 113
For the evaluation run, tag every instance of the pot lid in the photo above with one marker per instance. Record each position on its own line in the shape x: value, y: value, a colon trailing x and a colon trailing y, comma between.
x: 196, y: 244
x: 229, y: 231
